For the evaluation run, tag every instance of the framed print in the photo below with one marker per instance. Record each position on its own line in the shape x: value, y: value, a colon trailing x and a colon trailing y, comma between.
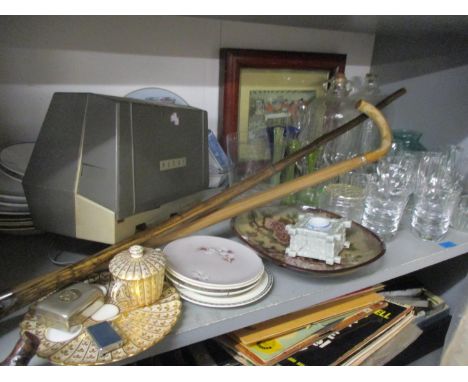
x: 260, y: 87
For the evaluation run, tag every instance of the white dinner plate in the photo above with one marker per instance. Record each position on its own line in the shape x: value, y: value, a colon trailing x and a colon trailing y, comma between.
x: 10, y: 186
x: 12, y: 204
x: 21, y: 231
x: 213, y: 262
x: 15, y: 158
x: 14, y: 215
x: 213, y: 287
x: 15, y: 219
x: 158, y: 95
x: 16, y: 224
x: 14, y: 208
x: 13, y: 199
x: 17, y: 177
x: 255, y: 294
x: 181, y: 285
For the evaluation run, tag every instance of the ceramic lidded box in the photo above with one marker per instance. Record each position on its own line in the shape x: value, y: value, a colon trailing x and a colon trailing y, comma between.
x: 139, y: 276
x: 318, y: 238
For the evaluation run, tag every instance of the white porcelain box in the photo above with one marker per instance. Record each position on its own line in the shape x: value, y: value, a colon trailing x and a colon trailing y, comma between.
x: 318, y: 238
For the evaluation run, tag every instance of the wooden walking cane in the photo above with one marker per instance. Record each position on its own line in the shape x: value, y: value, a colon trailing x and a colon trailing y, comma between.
x: 31, y: 290
x: 282, y: 190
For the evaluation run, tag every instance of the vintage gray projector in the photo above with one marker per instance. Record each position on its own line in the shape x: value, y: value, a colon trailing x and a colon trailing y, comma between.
x: 104, y: 167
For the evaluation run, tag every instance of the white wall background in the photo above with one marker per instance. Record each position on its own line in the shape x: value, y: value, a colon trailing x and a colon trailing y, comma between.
x: 435, y: 105
x: 433, y: 67
x: 434, y: 70
x: 117, y: 54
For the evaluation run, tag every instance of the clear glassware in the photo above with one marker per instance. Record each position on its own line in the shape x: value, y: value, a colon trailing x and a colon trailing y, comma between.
x: 302, y: 131
x: 438, y: 189
x: 247, y: 156
x: 335, y: 109
x: 325, y: 114
x: 369, y: 133
x: 346, y: 196
x: 460, y: 215
x: 388, y: 194
x: 441, y: 168
x: 433, y: 209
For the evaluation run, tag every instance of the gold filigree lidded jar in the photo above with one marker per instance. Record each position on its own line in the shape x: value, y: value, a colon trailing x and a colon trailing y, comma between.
x: 138, y: 275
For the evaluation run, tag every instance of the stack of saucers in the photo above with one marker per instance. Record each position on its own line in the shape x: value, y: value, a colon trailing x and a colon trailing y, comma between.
x: 15, y: 217
x: 216, y: 272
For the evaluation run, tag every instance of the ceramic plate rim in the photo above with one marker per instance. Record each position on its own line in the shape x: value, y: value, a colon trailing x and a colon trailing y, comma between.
x: 18, y: 190
x: 6, y: 165
x: 11, y: 174
x: 261, y: 294
x: 200, y: 284
x: 208, y: 285
x: 9, y: 204
x: 9, y: 225
x: 161, y: 92
x: 214, y: 292
x: 13, y: 198
x: 15, y: 213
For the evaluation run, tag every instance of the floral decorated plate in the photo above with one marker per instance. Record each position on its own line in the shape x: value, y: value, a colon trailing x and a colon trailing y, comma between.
x: 264, y: 230
x: 140, y: 328
x: 183, y: 286
x: 261, y: 288
x: 213, y: 262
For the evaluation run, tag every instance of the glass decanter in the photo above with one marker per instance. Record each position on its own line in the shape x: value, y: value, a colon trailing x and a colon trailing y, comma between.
x: 369, y: 133
x: 325, y: 114
x: 332, y: 111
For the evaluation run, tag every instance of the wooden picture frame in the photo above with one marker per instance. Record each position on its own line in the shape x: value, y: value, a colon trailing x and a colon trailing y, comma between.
x: 253, y: 71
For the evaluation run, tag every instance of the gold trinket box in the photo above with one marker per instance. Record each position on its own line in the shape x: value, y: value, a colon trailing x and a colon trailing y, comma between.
x: 139, y: 276
x: 70, y: 306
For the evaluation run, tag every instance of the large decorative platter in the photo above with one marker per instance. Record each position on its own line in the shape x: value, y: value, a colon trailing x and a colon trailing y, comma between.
x: 141, y: 328
x: 264, y: 230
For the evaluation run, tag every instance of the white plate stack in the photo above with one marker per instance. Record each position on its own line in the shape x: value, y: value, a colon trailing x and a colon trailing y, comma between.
x: 216, y: 272
x: 15, y: 217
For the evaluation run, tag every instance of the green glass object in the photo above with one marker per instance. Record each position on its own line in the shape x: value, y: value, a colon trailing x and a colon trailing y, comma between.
x: 278, y: 151
x: 408, y: 140
x: 290, y: 172
x: 308, y: 196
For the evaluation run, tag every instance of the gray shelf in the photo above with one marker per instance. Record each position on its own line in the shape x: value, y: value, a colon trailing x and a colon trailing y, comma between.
x: 292, y: 291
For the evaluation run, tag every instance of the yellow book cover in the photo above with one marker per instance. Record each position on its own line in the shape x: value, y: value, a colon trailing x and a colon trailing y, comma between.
x: 276, y: 349
x: 290, y: 322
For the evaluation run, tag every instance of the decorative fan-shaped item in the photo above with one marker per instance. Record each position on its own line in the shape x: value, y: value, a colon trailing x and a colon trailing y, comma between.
x: 140, y: 328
